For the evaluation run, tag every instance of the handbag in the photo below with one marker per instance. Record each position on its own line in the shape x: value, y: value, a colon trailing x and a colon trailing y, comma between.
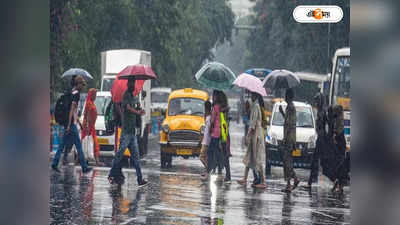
x: 88, y: 146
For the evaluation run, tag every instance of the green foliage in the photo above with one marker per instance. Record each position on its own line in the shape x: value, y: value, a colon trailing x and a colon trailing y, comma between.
x: 179, y: 34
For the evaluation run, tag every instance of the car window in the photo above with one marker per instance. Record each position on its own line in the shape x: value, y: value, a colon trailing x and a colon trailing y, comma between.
x: 159, y: 97
x: 303, y: 117
x: 186, y: 106
x: 107, y: 84
x: 101, y: 103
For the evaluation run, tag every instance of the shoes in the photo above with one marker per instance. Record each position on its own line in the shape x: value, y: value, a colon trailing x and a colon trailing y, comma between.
x: 204, y: 177
x: 296, y: 183
x: 227, y: 180
x: 288, y: 189
x: 87, y: 170
x: 143, y: 183
x: 260, y: 186
x: 55, y: 168
x: 242, y: 182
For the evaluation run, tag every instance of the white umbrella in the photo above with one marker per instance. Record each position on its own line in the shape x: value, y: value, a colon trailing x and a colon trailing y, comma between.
x: 76, y: 71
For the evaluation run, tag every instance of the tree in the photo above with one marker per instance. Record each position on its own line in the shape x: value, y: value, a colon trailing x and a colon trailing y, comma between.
x: 281, y: 42
x: 179, y: 34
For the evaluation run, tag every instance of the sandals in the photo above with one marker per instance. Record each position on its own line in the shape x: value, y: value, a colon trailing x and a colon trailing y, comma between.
x: 242, y: 182
x: 296, y: 183
x: 260, y: 186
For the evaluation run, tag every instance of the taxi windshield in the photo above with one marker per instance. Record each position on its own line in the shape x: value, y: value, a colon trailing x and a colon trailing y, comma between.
x: 186, y: 106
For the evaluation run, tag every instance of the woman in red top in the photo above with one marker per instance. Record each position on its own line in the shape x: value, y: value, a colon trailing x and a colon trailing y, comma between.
x: 89, y: 121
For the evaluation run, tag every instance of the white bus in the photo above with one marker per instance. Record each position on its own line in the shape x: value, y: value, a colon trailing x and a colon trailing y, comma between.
x: 339, y: 91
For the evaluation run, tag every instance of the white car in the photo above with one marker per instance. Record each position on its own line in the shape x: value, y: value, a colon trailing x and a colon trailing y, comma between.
x: 159, y: 98
x: 306, y: 135
x: 104, y: 138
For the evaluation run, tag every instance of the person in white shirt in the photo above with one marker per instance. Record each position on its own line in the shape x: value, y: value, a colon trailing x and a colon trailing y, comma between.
x: 207, y: 136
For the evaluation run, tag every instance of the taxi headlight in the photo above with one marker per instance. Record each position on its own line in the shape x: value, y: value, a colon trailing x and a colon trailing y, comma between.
x: 165, y: 128
x: 202, y: 129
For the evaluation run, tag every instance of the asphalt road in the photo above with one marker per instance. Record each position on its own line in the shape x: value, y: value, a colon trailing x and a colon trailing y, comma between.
x: 178, y: 196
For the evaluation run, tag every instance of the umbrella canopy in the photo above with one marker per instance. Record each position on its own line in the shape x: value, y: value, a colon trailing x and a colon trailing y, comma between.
x: 250, y: 83
x: 215, y: 75
x: 138, y: 72
x: 119, y: 87
x: 76, y: 71
x: 281, y: 79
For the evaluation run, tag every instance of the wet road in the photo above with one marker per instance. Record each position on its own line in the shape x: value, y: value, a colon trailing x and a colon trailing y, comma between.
x: 178, y: 196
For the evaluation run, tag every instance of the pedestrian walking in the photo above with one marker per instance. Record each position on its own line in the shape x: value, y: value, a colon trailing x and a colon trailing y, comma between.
x: 289, y: 140
x: 128, y: 137
x: 225, y: 150
x: 207, y: 136
x: 69, y: 145
x: 339, y: 140
x: 321, y: 123
x: 88, y: 124
x: 255, y: 154
x: 71, y: 134
x: 215, y: 132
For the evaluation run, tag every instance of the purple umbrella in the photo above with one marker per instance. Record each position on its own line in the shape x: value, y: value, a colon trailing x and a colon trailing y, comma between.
x: 250, y: 83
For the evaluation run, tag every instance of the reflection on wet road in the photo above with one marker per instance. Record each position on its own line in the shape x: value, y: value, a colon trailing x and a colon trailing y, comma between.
x: 178, y: 196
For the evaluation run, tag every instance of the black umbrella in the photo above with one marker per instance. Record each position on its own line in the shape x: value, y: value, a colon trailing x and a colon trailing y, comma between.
x: 281, y: 79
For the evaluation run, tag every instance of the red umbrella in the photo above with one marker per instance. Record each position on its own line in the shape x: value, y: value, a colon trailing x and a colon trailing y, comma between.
x: 138, y: 72
x: 119, y: 87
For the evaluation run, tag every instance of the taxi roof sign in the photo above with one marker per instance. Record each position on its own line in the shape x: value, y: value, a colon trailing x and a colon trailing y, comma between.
x: 187, y: 90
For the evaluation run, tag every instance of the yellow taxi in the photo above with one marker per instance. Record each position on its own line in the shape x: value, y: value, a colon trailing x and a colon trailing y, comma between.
x: 183, y: 127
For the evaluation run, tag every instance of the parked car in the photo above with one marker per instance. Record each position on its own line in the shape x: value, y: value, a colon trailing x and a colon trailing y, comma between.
x: 183, y: 127
x: 306, y: 135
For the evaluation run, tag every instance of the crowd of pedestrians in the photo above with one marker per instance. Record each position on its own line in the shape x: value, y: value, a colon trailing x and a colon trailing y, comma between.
x: 330, y: 145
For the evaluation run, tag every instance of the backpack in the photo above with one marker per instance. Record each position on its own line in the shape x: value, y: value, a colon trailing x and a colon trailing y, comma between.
x: 224, y: 128
x: 63, y: 106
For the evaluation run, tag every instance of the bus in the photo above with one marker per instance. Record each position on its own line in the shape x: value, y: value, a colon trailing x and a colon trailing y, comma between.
x: 339, y: 90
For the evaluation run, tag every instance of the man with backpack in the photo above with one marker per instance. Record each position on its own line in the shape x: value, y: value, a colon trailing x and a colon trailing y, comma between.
x: 66, y: 114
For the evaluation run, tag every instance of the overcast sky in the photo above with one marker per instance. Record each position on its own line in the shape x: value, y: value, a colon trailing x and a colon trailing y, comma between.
x: 241, y: 7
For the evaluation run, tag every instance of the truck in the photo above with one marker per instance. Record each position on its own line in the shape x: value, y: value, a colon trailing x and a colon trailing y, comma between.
x: 113, y: 62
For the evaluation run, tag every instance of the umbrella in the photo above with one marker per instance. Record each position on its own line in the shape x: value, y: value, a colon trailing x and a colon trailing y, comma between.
x: 281, y: 79
x: 250, y: 83
x: 138, y: 72
x: 120, y: 85
x: 215, y: 75
x: 76, y: 71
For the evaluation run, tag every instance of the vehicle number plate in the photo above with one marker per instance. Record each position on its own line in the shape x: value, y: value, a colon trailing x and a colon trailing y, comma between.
x: 297, y: 153
x: 184, y: 152
x: 102, y: 141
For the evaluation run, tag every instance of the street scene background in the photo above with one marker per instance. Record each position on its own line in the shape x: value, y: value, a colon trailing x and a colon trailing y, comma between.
x: 183, y: 35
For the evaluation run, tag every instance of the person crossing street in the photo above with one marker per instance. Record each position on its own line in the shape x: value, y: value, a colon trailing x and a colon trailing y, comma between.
x: 289, y: 140
x: 71, y: 134
x: 128, y: 137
